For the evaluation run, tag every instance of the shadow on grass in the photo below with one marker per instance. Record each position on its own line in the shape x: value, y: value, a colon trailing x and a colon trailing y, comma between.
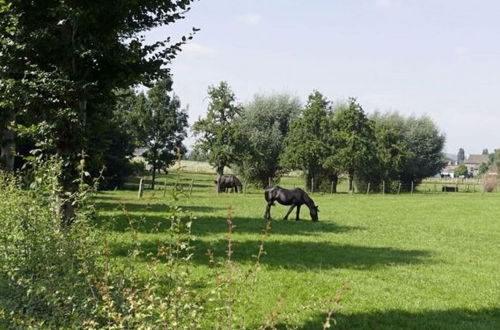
x: 145, y: 222
x: 486, y: 318
x: 296, y: 255
x: 207, y: 225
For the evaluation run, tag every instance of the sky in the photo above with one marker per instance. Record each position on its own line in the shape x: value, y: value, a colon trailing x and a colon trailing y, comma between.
x: 439, y: 58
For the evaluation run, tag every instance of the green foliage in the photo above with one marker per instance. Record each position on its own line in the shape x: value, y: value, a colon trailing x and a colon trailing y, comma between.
x: 493, y: 163
x: 219, y: 133
x: 306, y: 145
x: 409, y: 148
x: 160, y: 126
x: 266, y: 122
x: 354, y: 141
x: 197, y: 155
x: 461, y: 170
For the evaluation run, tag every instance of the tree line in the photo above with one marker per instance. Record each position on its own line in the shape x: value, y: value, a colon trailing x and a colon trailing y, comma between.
x: 275, y: 134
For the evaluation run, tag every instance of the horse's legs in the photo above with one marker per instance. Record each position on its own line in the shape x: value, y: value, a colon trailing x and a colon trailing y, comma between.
x: 267, y: 214
x: 288, y: 213
x: 298, y: 213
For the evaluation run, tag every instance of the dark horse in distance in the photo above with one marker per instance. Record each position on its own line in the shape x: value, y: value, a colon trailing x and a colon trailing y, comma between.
x: 294, y: 197
x: 227, y: 182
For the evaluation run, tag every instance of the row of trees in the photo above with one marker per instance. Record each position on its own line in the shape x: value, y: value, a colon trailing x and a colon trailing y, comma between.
x: 274, y: 134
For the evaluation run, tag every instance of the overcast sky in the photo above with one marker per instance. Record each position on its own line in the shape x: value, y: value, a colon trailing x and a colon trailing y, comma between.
x: 435, y: 57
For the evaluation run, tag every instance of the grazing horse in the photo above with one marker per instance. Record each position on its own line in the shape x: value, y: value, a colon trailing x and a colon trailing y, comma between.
x: 295, y: 197
x: 228, y: 181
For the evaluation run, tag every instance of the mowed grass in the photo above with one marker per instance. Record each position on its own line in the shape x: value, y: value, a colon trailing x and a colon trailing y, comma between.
x: 421, y: 261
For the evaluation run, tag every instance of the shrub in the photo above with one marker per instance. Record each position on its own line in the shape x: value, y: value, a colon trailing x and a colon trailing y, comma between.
x: 63, y: 277
x: 489, y: 183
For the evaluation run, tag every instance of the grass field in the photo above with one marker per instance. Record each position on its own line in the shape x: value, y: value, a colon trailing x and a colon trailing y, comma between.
x: 421, y: 261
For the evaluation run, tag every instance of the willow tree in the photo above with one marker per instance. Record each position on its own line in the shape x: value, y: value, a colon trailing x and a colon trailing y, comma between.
x: 65, y: 58
x: 265, y: 123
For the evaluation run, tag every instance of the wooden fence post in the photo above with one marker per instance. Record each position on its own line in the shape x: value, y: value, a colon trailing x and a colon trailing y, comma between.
x: 312, y: 185
x: 331, y: 188
x: 412, y: 187
x: 165, y: 188
x: 368, y: 188
x: 141, y: 188
x: 191, y: 188
x: 383, y: 187
x: 399, y: 187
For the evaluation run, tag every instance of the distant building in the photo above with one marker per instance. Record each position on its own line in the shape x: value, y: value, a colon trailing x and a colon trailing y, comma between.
x: 474, y: 161
x: 448, y: 171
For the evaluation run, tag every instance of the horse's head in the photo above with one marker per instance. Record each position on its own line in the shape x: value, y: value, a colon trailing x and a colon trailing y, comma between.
x: 314, y: 210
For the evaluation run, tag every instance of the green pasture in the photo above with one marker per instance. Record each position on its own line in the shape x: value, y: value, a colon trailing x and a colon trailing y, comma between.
x: 412, y: 261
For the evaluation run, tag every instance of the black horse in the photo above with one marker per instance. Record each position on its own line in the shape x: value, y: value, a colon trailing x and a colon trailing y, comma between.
x: 295, y: 197
x: 227, y: 182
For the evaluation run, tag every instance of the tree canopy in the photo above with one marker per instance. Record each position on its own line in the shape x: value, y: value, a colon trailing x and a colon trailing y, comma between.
x: 160, y: 125
x: 306, y: 144
x: 265, y: 123
x: 218, y: 133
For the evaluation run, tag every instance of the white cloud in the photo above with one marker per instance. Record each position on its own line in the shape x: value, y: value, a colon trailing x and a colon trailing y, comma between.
x: 250, y: 19
x: 193, y: 48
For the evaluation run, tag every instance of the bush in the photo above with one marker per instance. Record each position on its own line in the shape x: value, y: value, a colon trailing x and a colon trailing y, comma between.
x: 63, y: 277
x: 490, y: 183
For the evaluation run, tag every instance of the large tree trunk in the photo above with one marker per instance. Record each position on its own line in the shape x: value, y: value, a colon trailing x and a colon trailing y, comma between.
x: 351, y: 180
x: 153, y: 177
x: 66, y: 195
x: 334, y: 179
x: 7, y: 142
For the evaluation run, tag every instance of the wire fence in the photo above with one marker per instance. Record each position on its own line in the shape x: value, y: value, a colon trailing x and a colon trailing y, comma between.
x: 202, y: 183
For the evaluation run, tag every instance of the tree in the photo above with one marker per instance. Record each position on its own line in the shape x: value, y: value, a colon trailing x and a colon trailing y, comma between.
x: 306, y: 144
x: 461, y: 156
x: 219, y: 135
x: 461, y: 170
x: 485, y: 151
x: 392, y: 150
x: 265, y: 123
x: 417, y: 147
x: 111, y: 148
x: 354, y: 139
x: 62, y: 60
x: 161, y: 126
x: 426, y: 143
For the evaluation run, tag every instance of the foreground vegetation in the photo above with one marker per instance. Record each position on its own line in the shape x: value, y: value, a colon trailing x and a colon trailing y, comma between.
x: 410, y: 261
